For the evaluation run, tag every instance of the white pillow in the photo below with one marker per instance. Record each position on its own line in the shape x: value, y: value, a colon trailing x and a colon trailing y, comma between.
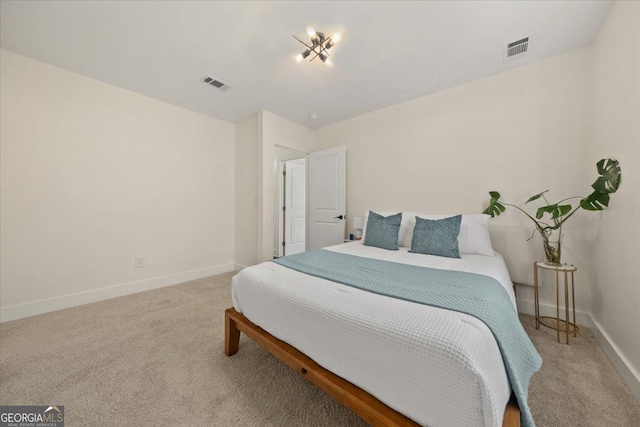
x: 474, y: 234
x: 406, y: 226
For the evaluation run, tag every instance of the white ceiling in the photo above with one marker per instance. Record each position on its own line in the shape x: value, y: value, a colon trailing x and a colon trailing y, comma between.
x: 390, y: 51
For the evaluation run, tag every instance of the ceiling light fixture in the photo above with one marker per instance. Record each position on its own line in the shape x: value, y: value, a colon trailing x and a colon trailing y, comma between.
x: 320, y: 45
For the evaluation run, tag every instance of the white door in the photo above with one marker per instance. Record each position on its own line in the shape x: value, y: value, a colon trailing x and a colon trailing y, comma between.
x: 327, y: 197
x: 295, y: 208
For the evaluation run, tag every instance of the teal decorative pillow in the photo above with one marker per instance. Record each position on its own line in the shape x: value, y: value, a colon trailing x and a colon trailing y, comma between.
x: 382, y: 232
x: 437, y: 236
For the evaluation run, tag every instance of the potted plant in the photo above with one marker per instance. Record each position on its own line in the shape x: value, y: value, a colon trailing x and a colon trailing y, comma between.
x: 550, y: 217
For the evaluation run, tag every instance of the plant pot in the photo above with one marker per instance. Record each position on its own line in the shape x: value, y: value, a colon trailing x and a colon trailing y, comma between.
x: 553, y: 251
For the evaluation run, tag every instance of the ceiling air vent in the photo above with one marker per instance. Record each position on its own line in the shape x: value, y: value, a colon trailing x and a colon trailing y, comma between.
x: 518, y: 48
x: 216, y: 83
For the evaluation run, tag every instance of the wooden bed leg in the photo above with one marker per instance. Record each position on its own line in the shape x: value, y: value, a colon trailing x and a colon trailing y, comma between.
x: 231, y: 334
x: 511, y: 414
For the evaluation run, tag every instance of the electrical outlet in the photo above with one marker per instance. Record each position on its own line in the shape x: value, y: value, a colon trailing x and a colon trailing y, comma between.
x: 139, y: 261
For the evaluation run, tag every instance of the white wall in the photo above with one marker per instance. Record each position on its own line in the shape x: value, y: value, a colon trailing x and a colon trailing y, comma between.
x: 616, y: 133
x: 92, y: 176
x: 247, y: 152
x: 518, y: 132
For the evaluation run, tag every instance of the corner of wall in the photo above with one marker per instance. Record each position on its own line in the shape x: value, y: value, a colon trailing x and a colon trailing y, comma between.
x: 614, y: 132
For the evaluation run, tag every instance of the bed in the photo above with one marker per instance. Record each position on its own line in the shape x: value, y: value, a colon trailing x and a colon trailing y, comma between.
x: 414, y: 365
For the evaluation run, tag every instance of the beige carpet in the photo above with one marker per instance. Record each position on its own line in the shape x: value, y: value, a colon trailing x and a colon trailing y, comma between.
x: 156, y: 358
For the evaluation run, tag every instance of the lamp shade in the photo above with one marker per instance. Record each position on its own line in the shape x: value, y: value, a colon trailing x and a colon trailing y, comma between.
x: 358, y: 223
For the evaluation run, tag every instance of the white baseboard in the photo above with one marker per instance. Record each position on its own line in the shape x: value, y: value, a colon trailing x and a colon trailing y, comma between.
x: 238, y: 267
x: 629, y: 375
x: 72, y: 300
x: 528, y: 307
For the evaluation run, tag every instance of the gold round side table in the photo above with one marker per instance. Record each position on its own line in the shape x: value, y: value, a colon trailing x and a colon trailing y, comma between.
x: 557, y: 323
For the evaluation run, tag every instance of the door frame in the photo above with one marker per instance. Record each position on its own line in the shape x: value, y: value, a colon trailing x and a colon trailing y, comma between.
x: 278, y: 198
x: 282, y: 190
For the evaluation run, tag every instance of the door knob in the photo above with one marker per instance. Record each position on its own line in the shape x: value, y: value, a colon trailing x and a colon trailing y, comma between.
x: 338, y: 217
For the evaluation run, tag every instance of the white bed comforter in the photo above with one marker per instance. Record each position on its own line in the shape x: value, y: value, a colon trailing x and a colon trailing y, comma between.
x: 438, y: 367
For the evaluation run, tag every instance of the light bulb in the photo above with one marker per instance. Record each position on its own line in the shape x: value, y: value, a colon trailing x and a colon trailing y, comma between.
x: 311, y: 31
x: 329, y: 62
x: 336, y: 37
x: 299, y: 57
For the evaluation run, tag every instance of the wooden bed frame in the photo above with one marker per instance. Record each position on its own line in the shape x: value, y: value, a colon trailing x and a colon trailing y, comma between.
x: 359, y: 401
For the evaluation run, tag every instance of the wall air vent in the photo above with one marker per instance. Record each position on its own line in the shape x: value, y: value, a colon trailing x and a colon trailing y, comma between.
x: 216, y: 83
x: 518, y: 48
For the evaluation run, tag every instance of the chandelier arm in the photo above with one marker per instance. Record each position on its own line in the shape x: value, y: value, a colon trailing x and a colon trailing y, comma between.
x: 323, y: 49
x: 308, y: 47
x: 326, y: 50
x: 316, y: 55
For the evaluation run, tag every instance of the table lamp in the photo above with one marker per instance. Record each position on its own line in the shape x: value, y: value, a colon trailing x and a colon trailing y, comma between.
x: 358, y: 224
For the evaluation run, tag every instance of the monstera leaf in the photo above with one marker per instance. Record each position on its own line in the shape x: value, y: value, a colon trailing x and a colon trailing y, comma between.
x: 536, y: 197
x: 595, y: 201
x: 495, y: 208
x: 606, y: 184
x: 556, y: 211
x: 609, y: 179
